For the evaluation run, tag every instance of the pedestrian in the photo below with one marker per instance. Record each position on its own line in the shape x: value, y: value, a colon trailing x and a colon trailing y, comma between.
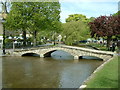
x: 113, y: 47
x: 110, y: 47
x: 118, y: 46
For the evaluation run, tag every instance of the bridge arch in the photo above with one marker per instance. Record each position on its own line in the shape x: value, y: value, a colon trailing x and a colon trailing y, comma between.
x: 30, y: 54
x: 48, y: 52
x: 91, y: 57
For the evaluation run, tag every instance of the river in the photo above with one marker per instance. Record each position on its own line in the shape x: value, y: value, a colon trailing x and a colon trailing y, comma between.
x: 58, y: 71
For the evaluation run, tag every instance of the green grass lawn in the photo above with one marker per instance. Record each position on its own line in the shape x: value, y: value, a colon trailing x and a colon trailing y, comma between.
x: 107, y: 77
x: 100, y: 46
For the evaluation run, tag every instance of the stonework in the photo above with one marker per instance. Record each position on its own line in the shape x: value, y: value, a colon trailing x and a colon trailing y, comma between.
x: 74, y: 51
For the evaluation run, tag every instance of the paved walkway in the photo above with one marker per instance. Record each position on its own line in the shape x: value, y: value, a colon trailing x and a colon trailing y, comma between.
x: 0, y: 52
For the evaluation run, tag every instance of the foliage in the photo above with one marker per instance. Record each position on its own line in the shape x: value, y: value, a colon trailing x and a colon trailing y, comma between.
x: 45, y: 15
x: 33, y: 16
x: 77, y: 17
x: 18, y: 17
x: 118, y: 13
x: 91, y: 19
x: 105, y: 26
x: 8, y: 40
x: 75, y: 31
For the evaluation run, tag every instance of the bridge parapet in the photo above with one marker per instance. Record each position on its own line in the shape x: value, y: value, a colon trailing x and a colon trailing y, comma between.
x: 88, y: 50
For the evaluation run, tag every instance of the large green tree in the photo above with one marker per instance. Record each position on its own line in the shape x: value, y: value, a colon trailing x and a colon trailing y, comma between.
x: 18, y: 18
x: 75, y: 31
x: 45, y: 17
x: 33, y: 16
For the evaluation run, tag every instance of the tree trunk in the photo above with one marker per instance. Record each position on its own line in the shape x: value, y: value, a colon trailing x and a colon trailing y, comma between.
x: 108, y: 42
x: 35, y: 39
x: 54, y: 38
x: 24, y: 38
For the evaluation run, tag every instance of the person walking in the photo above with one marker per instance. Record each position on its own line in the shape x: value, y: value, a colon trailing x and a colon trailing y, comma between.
x: 113, y: 47
x: 110, y: 48
x: 118, y: 45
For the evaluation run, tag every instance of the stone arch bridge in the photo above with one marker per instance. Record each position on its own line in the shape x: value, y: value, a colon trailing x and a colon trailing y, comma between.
x: 76, y: 52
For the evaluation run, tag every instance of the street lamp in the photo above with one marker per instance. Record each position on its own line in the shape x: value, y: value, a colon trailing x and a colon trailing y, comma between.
x: 3, y: 16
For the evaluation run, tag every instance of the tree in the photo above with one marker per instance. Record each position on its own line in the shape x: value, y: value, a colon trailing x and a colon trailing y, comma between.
x: 75, y: 31
x: 54, y: 17
x: 91, y: 19
x: 18, y: 17
x: 77, y: 17
x: 33, y: 16
x: 44, y: 16
x: 118, y: 13
x: 105, y: 26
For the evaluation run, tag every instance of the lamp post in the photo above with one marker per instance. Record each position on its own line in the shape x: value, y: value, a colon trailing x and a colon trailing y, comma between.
x: 3, y: 39
x: 3, y: 17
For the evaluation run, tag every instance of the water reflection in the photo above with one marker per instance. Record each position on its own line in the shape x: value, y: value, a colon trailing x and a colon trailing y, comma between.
x: 55, y: 72
x: 61, y: 55
x: 28, y: 69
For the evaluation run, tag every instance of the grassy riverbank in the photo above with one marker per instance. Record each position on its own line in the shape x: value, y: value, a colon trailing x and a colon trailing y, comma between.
x: 107, y: 77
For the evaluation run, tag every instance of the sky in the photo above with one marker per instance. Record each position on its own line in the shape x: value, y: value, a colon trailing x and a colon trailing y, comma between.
x: 90, y: 8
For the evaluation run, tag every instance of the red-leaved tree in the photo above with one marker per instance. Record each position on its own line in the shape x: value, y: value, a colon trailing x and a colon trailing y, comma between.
x: 105, y: 26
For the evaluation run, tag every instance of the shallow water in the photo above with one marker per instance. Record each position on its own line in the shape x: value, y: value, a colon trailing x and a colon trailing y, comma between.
x: 58, y: 71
